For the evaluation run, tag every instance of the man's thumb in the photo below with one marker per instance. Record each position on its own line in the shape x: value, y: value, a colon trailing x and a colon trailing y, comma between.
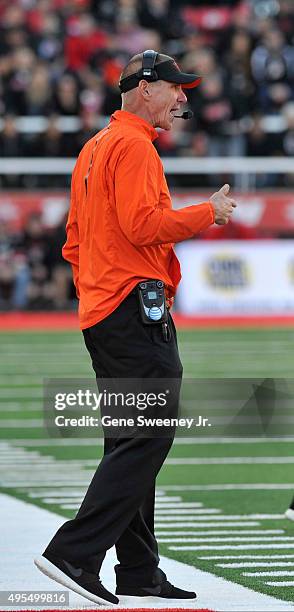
x: 225, y: 188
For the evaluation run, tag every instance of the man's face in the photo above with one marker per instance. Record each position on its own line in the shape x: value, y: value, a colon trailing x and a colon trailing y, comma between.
x: 166, y: 101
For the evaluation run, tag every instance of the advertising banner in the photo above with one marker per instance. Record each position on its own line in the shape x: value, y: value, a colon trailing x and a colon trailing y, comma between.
x: 236, y: 277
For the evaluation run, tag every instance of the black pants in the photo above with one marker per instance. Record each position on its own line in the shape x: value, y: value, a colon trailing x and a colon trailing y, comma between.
x: 118, y: 508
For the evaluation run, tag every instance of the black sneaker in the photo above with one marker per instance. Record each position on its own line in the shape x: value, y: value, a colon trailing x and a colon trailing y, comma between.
x: 289, y: 514
x: 165, y: 590
x: 78, y: 580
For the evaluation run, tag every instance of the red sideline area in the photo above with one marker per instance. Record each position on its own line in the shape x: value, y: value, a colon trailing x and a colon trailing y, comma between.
x: 23, y: 321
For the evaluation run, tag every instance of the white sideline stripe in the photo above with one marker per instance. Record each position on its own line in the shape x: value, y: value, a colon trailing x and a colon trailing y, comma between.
x: 39, y: 525
x: 215, y: 557
x: 228, y: 460
x: 269, y: 574
x: 238, y: 539
x: 211, y: 524
x: 256, y: 564
x: 289, y: 583
x: 219, y: 532
x: 233, y: 547
x: 230, y: 487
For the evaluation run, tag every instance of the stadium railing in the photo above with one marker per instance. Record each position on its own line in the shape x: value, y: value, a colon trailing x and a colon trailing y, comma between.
x: 247, y: 168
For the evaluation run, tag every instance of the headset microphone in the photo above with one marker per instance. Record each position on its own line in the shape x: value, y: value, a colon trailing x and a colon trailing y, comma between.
x: 185, y: 115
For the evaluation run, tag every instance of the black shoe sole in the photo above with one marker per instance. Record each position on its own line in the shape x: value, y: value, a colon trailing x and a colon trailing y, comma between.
x: 53, y: 572
x: 129, y: 592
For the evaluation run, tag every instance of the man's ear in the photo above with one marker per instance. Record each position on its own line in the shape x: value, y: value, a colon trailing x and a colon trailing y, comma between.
x: 144, y: 89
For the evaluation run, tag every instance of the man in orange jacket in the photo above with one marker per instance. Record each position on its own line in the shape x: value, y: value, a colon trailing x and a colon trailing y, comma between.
x: 121, y: 231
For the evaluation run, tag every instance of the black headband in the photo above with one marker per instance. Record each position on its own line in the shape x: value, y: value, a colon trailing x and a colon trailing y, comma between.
x: 165, y: 71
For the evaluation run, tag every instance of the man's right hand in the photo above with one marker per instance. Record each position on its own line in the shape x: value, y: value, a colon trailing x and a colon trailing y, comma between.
x: 223, y: 205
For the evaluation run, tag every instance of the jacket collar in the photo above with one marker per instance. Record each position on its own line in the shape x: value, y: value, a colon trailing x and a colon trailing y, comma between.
x: 135, y: 121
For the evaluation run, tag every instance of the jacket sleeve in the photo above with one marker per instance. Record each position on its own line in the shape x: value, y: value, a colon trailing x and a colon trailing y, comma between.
x: 138, y: 181
x: 70, y: 250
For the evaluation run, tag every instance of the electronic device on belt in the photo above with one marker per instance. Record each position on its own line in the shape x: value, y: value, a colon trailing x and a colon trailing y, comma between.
x: 152, y: 301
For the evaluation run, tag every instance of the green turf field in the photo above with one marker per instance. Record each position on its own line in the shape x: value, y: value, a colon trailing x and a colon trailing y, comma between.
x: 221, y: 502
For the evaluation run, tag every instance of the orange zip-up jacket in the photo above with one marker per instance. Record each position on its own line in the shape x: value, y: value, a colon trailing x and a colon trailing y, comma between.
x: 121, y: 228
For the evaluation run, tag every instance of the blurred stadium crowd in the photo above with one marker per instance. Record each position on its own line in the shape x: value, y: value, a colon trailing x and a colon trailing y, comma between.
x: 60, y: 62
x: 33, y: 274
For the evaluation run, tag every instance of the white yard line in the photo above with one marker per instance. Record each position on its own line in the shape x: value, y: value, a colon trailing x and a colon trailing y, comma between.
x: 27, y: 442
x: 267, y: 557
x: 29, y: 528
x: 188, y: 511
x: 256, y: 564
x: 238, y: 539
x: 169, y: 504
x: 65, y: 499
x: 58, y: 495
x: 219, y: 532
x: 21, y: 423
x: 20, y: 408
x: 233, y: 547
x: 269, y: 574
x: 8, y: 456
x: 226, y: 517
x: 228, y: 460
x: 199, y: 525
x: 230, y: 487
x: 288, y: 583
x: 51, y: 482
x: 14, y: 392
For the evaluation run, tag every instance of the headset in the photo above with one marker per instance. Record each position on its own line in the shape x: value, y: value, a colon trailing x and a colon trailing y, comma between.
x: 147, y: 72
x: 148, y: 65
